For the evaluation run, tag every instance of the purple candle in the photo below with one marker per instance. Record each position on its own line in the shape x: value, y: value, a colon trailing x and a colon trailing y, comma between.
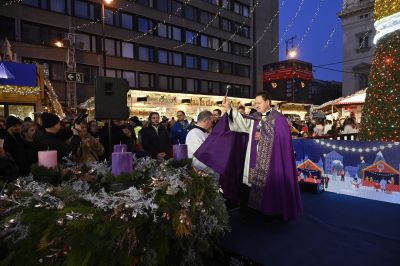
x: 180, y: 151
x: 120, y: 148
x: 121, y: 163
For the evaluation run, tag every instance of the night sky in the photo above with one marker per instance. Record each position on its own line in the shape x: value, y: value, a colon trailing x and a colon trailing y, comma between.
x: 312, y: 48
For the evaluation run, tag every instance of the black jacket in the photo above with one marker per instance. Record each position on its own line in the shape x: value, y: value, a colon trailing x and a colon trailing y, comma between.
x: 49, y: 141
x: 26, y: 156
x: 12, y: 143
x: 8, y: 168
x: 154, y: 143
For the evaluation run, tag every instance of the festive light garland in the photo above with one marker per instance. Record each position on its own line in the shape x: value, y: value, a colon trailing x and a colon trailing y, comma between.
x: 202, y: 30
x: 360, y: 150
x: 321, y: 2
x: 386, y: 26
x: 19, y: 90
x: 289, y: 26
x: 10, y: 3
x: 54, y: 99
x: 240, y: 27
x: 266, y: 28
x: 331, y: 35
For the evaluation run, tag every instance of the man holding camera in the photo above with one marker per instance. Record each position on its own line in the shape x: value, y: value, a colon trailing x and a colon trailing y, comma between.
x: 51, y: 140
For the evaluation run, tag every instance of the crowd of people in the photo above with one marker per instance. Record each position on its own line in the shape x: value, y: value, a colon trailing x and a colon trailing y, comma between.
x: 86, y: 142
x: 322, y: 127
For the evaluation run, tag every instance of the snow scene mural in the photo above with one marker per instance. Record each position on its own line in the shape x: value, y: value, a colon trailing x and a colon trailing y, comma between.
x: 358, y: 168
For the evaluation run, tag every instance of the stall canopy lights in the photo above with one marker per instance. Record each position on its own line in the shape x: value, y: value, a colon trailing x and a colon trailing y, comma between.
x: 386, y: 26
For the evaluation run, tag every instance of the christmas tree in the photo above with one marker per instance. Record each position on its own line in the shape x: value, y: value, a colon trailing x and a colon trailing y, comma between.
x: 381, y: 113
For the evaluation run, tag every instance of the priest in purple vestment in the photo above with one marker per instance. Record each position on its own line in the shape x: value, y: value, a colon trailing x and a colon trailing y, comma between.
x: 268, y: 166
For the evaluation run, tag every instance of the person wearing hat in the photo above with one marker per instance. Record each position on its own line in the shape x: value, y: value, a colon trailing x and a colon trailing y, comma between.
x: 12, y: 139
x: 51, y: 140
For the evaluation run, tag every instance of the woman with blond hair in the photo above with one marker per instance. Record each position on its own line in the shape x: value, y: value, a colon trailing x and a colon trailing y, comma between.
x: 90, y: 149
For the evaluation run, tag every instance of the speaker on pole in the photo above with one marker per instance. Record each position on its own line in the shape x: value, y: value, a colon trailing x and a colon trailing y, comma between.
x: 111, y: 98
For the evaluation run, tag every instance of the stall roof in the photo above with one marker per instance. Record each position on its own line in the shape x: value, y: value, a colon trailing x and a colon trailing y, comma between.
x: 356, y: 98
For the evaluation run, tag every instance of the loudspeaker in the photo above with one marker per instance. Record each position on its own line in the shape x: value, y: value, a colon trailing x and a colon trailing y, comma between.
x: 111, y: 98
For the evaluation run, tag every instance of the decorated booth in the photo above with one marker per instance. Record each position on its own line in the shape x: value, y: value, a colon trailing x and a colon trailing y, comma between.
x: 24, y: 91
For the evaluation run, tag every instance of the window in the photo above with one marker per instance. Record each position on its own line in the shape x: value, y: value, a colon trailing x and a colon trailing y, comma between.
x: 190, y: 37
x: 363, y: 41
x: 162, y: 30
x: 127, y: 50
x: 246, y: 31
x: 89, y: 72
x: 203, y: 41
x: 58, y: 6
x: 226, y: 25
x: 146, y: 53
x: 111, y: 73
x: 362, y: 81
x: 214, y: 43
x: 176, y: 34
x: 191, y: 61
x: 57, y: 71
x: 7, y: 29
x: 108, y: 17
x: 241, y: 9
x: 226, y: 4
x: 81, y: 9
x: 162, y: 5
x: 30, y: 33
x: 191, y: 13
x: 146, y: 80
x: 82, y: 42
x: 178, y: 8
x: 191, y: 85
x: 110, y: 47
x: 177, y: 61
x: 204, y: 17
x: 130, y: 77
x: 148, y: 3
x: 226, y: 68
x: 34, y: 33
x: 145, y: 25
x: 226, y: 47
x: 214, y: 66
x: 162, y: 57
x: 204, y: 64
x: 178, y: 84
x: 215, y: 88
x: 163, y: 82
x: 242, y: 70
x: 34, y: 3
x: 126, y: 21
x: 204, y: 86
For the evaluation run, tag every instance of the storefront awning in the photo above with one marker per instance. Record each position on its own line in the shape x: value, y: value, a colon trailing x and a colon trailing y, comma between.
x: 17, y: 74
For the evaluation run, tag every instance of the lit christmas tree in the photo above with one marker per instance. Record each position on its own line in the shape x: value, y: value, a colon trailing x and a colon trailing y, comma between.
x: 381, y: 113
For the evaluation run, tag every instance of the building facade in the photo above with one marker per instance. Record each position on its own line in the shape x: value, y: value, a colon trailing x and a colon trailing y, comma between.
x: 358, y: 49
x: 181, y: 46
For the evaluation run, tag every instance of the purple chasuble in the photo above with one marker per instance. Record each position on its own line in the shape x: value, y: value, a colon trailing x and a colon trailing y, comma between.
x: 274, y: 187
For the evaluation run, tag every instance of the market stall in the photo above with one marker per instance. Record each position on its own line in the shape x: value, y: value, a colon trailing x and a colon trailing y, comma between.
x: 24, y: 91
x: 141, y: 103
x: 349, y: 106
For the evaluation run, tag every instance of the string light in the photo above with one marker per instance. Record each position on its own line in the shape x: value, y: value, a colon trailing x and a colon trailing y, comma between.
x: 55, y: 104
x: 266, y: 28
x: 19, y: 90
x: 373, y: 149
x: 202, y: 30
x: 321, y: 2
x: 331, y: 35
x: 10, y: 3
x: 289, y: 26
x: 240, y: 27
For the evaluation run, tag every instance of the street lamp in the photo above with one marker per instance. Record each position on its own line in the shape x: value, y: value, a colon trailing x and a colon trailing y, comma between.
x: 102, y: 30
x: 291, y: 54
